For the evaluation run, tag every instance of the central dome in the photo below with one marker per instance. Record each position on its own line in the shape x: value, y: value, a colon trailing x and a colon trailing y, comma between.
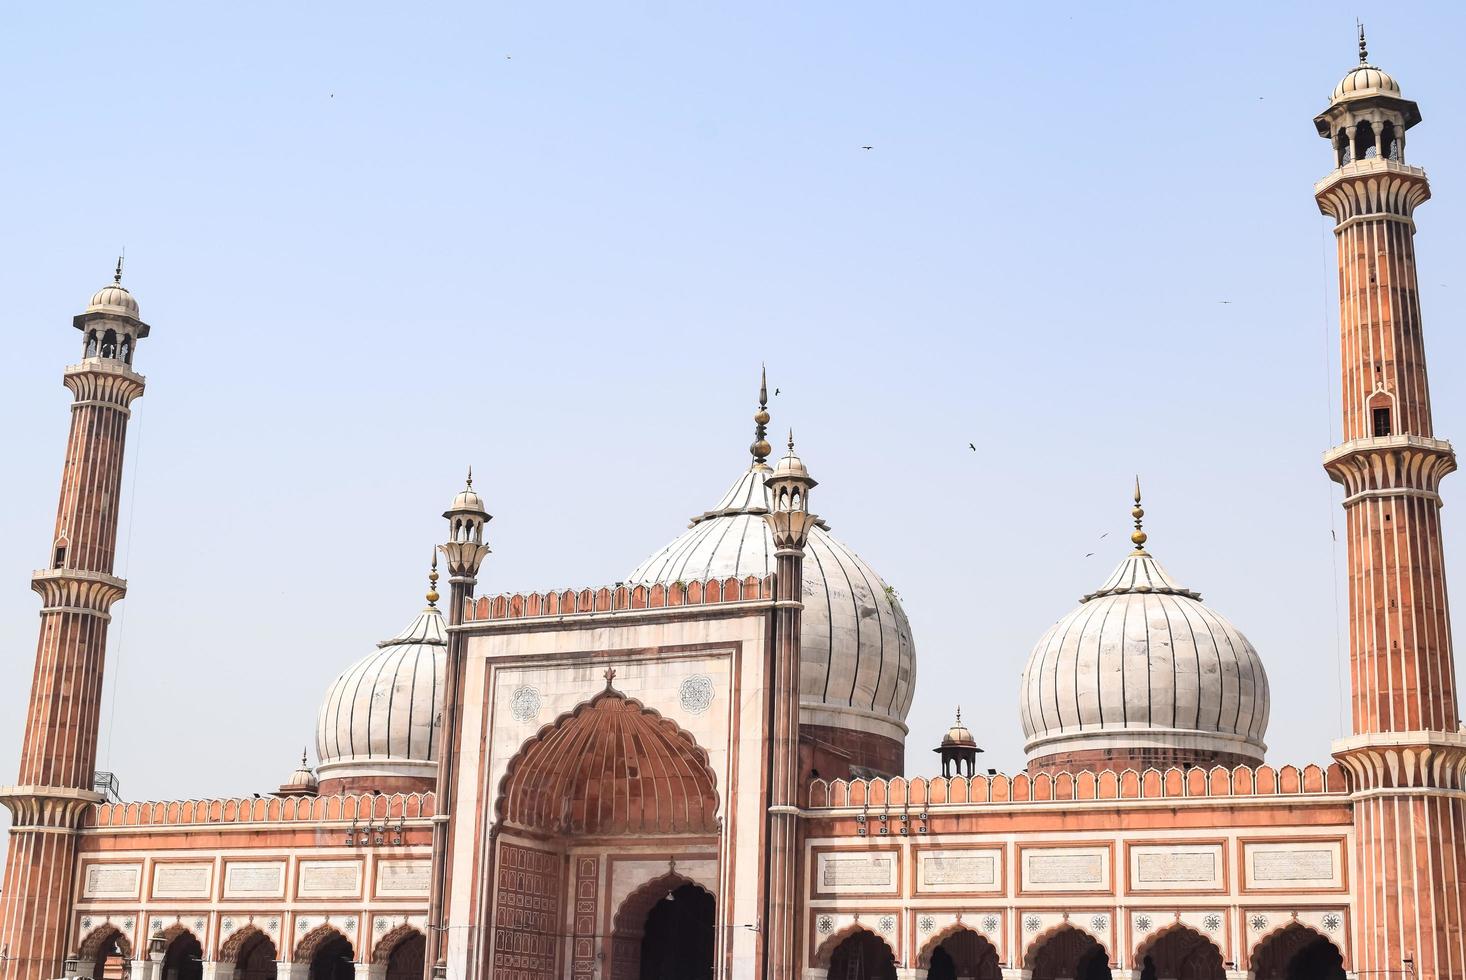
x: 1142, y: 674
x: 858, y: 665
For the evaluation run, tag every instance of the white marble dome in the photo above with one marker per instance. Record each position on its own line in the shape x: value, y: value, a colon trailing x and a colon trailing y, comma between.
x: 115, y: 299
x: 859, y: 662
x: 1363, y: 81
x: 380, y: 717
x: 1142, y: 664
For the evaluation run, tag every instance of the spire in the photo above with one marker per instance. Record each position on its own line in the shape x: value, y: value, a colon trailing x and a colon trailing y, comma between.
x: 303, y: 758
x: 760, y: 448
x: 1363, y: 45
x: 470, y: 477
x: 1138, y: 536
x: 959, y: 714
x: 433, y: 582
x: 117, y: 276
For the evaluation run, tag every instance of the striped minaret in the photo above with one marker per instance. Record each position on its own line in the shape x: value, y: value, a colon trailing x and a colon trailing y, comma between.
x: 55, y: 783
x: 1406, y: 755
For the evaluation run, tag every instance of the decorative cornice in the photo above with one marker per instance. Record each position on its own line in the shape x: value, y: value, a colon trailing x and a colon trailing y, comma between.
x: 464, y: 559
x: 100, y: 381
x: 47, y: 808
x: 75, y: 589
x: 1372, y: 187
x: 1403, y: 760
x: 1385, y: 463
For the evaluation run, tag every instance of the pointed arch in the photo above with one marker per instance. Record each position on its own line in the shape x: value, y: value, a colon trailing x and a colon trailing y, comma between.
x: 96, y: 942
x: 629, y: 923
x: 236, y: 942
x: 1068, y: 951
x: 388, y: 944
x: 1277, y: 954
x: 310, y: 944
x: 1180, y: 952
x: 986, y: 953
x: 834, y: 941
x: 611, y: 765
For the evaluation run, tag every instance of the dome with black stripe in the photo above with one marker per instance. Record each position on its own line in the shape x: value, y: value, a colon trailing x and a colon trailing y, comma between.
x: 858, y: 663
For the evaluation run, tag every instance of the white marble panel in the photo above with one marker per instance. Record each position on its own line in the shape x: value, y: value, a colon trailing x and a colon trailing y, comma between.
x: 112, y: 881
x: 1066, y: 869
x: 843, y: 872
x: 1290, y: 866
x: 182, y: 880
x: 968, y: 870
x: 1175, y: 867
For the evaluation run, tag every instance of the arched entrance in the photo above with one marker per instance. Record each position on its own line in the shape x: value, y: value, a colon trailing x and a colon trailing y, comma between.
x: 183, y: 955
x: 664, y: 929
x: 329, y: 953
x: 1297, y: 953
x: 106, y: 953
x: 612, y: 769
x: 961, y: 954
x: 253, y: 954
x: 1069, y: 954
x: 862, y: 955
x: 1180, y: 953
x: 402, y: 951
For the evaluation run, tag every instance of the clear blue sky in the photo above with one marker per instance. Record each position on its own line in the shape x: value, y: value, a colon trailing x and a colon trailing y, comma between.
x: 377, y: 243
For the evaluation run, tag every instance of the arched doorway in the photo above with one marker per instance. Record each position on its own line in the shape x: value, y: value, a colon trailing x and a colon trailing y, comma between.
x: 677, y: 943
x: 1180, y: 953
x: 183, y: 956
x: 329, y: 954
x: 1297, y: 953
x: 106, y: 953
x: 962, y: 955
x: 402, y: 951
x: 1068, y: 954
x: 664, y: 929
x: 862, y: 955
x: 253, y: 954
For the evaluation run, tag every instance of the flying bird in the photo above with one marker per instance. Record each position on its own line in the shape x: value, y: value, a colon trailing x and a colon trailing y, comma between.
x: 867, y: 148
x: 776, y: 392
x: 1090, y: 555
x: 1225, y: 302
x: 972, y: 447
x: 1105, y: 535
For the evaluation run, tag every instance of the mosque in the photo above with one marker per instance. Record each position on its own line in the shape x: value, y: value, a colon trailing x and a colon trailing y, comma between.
x: 698, y: 772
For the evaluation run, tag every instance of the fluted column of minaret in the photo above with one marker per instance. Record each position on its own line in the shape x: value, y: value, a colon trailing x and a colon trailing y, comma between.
x: 59, y: 751
x: 791, y: 523
x: 1406, y: 759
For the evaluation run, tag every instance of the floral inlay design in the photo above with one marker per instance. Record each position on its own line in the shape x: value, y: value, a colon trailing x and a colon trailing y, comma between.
x: 524, y: 704
x: 825, y: 924
x: 696, y: 693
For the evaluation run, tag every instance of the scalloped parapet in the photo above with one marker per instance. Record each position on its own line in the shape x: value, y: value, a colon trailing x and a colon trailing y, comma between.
x: 621, y: 598
x: 268, y: 809
x: 1067, y: 787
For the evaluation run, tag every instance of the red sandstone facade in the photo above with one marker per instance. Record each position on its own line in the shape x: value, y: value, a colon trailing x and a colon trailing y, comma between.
x: 625, y: 787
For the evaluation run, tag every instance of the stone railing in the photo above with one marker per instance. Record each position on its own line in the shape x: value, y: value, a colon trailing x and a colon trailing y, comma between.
x: 269, y: 809
x: 618, y: 599
x: 1080, y: 786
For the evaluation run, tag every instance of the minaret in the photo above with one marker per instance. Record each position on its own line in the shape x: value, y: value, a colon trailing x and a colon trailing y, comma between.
x: 78, y: 589
x: 791, y: 521
x: 465, y: 552
x: 1405, y: 755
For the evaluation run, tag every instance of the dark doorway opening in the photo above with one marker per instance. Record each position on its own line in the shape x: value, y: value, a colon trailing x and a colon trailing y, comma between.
x: 335, y: 960
x: 862, y: 957
x: 678, y: 941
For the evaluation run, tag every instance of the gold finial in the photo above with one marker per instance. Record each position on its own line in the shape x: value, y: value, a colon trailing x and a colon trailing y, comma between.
x: 959, y: 714
x: 433, y: 582
x: 302, y: 758
x: 609, y: 675
x: 1363, y: 47
x: 1138, y: 535
x: 761, y: 447
x: 470, y: 478
x: 117, y: 276
x: 791, y: 442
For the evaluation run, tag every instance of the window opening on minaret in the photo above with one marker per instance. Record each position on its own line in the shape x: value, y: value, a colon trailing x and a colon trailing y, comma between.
x: 91, y: 349
x: 126, y: 349
x: 1381, y: 421
x: 60, y: 559
x: 1343, y: 147
x: 109, y: 344
x: 1390, y: 140
x: 1364, y: 138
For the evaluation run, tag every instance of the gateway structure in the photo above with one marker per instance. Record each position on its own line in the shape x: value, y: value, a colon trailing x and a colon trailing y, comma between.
x: 698, y: 772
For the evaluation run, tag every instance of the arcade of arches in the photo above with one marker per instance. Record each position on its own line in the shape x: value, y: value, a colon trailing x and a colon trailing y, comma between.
x: 961, y: 955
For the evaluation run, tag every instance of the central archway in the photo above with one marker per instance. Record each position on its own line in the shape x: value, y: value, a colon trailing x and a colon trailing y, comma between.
x: 183, y: 957
x: 329, y: 953
x: 961, y: 954
x: 862, y: 955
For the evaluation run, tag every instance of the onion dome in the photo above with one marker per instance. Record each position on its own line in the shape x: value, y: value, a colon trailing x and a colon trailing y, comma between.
x: 1142, y: 673
x: 302, y: 782
x: 378, y: 727
x: 114, y: 298
x: 858, y: 663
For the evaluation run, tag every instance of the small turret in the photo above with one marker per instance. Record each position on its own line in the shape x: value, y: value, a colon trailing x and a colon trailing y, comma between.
x: 958, y: 750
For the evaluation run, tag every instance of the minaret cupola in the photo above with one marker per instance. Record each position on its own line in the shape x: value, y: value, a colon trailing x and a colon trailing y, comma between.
x: 110, y: 325
x: 1366, y: 118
